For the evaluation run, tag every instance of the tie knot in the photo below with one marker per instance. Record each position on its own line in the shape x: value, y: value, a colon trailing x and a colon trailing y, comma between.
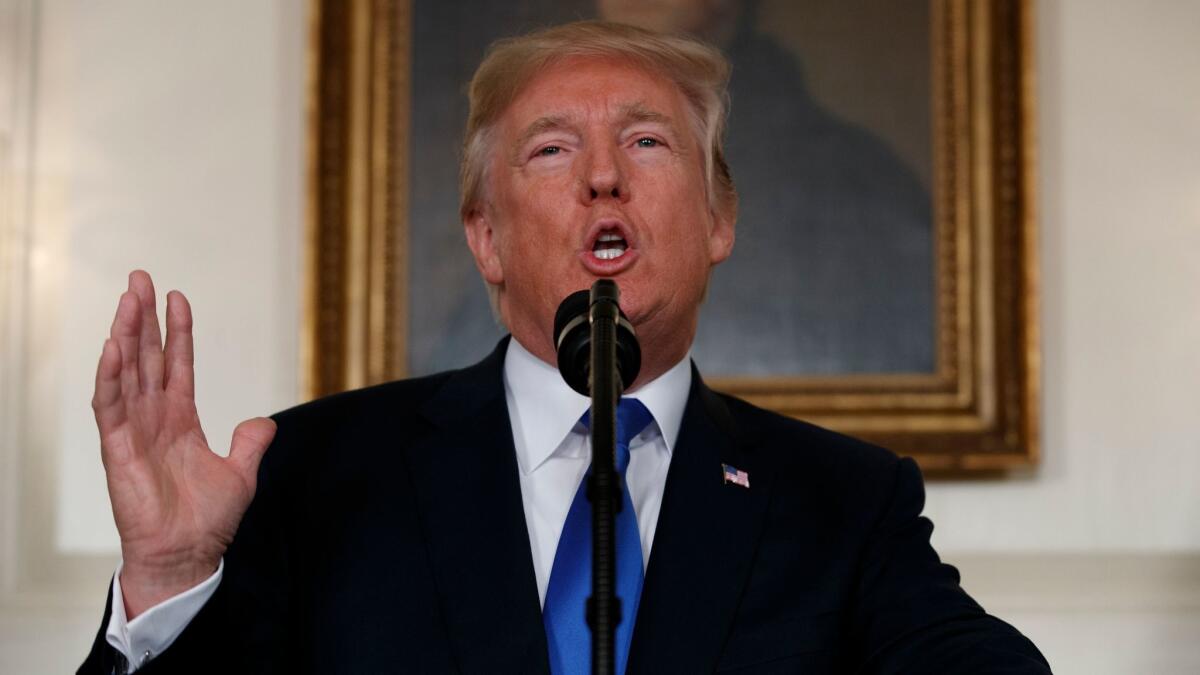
x: 632, y: 418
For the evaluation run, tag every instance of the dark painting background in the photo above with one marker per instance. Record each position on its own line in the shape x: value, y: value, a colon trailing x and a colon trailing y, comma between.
x: 829, y: 143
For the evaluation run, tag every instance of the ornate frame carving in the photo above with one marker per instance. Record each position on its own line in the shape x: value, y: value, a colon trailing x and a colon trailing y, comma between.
x: 354, y: 324
x: 977, y: 413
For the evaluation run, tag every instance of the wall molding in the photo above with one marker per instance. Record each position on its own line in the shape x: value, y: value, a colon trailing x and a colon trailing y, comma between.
x: 33, y: 572
x: 17, y: 39
x: 1082, y: 582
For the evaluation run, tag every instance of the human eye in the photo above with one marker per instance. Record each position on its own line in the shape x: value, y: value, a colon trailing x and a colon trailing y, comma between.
x: 647, y: 142
x: 550, y: 150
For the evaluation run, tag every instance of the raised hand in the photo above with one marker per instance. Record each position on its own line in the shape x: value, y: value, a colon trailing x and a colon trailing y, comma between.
x: 177, y: 504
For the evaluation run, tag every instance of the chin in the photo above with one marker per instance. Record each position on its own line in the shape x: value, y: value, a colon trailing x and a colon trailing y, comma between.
x: 638, y: 312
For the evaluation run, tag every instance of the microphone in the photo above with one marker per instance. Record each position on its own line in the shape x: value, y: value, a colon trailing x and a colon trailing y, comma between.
x: 573, y: 335
x: 598, y: 356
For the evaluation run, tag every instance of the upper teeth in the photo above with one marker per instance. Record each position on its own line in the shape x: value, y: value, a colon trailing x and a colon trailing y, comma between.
x: 611, y: 237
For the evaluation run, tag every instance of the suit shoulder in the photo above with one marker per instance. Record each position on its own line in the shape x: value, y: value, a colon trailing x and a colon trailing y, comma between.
x: 353, y: 430
x: 390, y: 399
x: 789, y: 440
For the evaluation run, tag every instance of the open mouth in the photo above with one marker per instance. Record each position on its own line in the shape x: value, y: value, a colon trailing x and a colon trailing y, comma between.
x: 609, y: 246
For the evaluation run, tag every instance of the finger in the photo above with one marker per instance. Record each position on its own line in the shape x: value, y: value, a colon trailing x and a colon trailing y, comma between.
x: 126, y: 331
x: 250, y: 441
x: 180, y: 354
x: 107, y: 402
x: 150, y: 348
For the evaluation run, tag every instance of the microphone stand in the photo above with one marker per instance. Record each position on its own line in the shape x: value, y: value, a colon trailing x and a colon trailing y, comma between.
x: 604, y: 607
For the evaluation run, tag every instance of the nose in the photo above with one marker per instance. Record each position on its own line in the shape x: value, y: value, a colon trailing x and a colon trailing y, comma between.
x: 603, y: 177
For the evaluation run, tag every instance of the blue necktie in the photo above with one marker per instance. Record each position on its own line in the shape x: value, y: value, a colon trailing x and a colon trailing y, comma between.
x: 564, y: 615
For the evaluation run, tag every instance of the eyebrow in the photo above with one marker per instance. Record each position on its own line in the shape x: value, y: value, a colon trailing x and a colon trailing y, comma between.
x: 542, y: 125
x: 630, y: 112
x: 638, y: 112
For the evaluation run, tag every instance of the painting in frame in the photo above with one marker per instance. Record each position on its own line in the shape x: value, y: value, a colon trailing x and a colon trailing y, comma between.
x: 884, y: 280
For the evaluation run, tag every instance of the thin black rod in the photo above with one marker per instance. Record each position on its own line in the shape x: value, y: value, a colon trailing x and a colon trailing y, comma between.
x: 604, y: 607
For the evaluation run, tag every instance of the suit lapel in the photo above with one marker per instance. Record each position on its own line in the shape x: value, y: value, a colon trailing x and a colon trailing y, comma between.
x: 704, y: 544
x: 469, y: 495
x: 468, y: 491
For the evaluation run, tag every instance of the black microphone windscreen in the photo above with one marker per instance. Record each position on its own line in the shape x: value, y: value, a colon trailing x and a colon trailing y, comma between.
x: 573, y: 337
x: 572, y: 340
x: 573, y: 306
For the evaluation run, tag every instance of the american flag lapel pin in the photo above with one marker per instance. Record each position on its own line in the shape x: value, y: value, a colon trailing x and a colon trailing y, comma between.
x: 735, y: 476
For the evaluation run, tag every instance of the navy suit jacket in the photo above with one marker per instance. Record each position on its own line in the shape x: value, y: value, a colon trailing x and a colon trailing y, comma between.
x: 388, y: 535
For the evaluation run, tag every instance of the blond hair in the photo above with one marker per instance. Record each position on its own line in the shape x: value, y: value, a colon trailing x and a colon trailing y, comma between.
x: 700, y: 72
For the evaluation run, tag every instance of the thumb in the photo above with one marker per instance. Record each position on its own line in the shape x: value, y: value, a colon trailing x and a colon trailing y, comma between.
x: 250, y: 441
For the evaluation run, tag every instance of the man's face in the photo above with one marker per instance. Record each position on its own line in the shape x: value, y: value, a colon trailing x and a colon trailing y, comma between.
x: 596, y: 172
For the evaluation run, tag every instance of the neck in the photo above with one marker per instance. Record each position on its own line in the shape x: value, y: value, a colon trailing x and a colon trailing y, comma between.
x: 660, y: 352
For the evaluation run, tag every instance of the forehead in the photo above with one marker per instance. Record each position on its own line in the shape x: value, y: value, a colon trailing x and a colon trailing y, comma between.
x: 583, y: 88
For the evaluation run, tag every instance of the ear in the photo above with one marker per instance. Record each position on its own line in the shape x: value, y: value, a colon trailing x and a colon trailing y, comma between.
x: 721, y: 236
x: 481, y: 238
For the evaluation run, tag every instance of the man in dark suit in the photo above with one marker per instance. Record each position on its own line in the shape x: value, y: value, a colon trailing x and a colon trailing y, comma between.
x: 425, y: 525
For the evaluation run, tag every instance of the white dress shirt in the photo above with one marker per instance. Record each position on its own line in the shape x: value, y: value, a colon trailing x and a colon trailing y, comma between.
x: 553, y: 454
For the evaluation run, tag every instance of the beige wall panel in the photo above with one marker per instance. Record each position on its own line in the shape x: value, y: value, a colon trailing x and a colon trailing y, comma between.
x: 1118, y: 104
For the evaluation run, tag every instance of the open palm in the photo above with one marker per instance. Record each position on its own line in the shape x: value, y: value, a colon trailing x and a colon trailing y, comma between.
x: 177, y: 504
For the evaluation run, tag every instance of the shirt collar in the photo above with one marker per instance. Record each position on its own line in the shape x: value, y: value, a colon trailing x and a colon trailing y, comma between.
x: 543, y: 409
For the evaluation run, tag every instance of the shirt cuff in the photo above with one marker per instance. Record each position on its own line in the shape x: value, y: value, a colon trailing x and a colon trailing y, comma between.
x: 152, y: 631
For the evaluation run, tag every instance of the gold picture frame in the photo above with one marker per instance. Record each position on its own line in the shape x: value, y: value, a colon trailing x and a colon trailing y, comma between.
x: 977, y: 412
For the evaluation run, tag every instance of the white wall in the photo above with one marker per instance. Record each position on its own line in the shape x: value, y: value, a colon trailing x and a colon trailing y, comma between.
x: 1119, y: 127
x: 166, y: 135
x: 1111, y: 522
x: 169, y: 135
